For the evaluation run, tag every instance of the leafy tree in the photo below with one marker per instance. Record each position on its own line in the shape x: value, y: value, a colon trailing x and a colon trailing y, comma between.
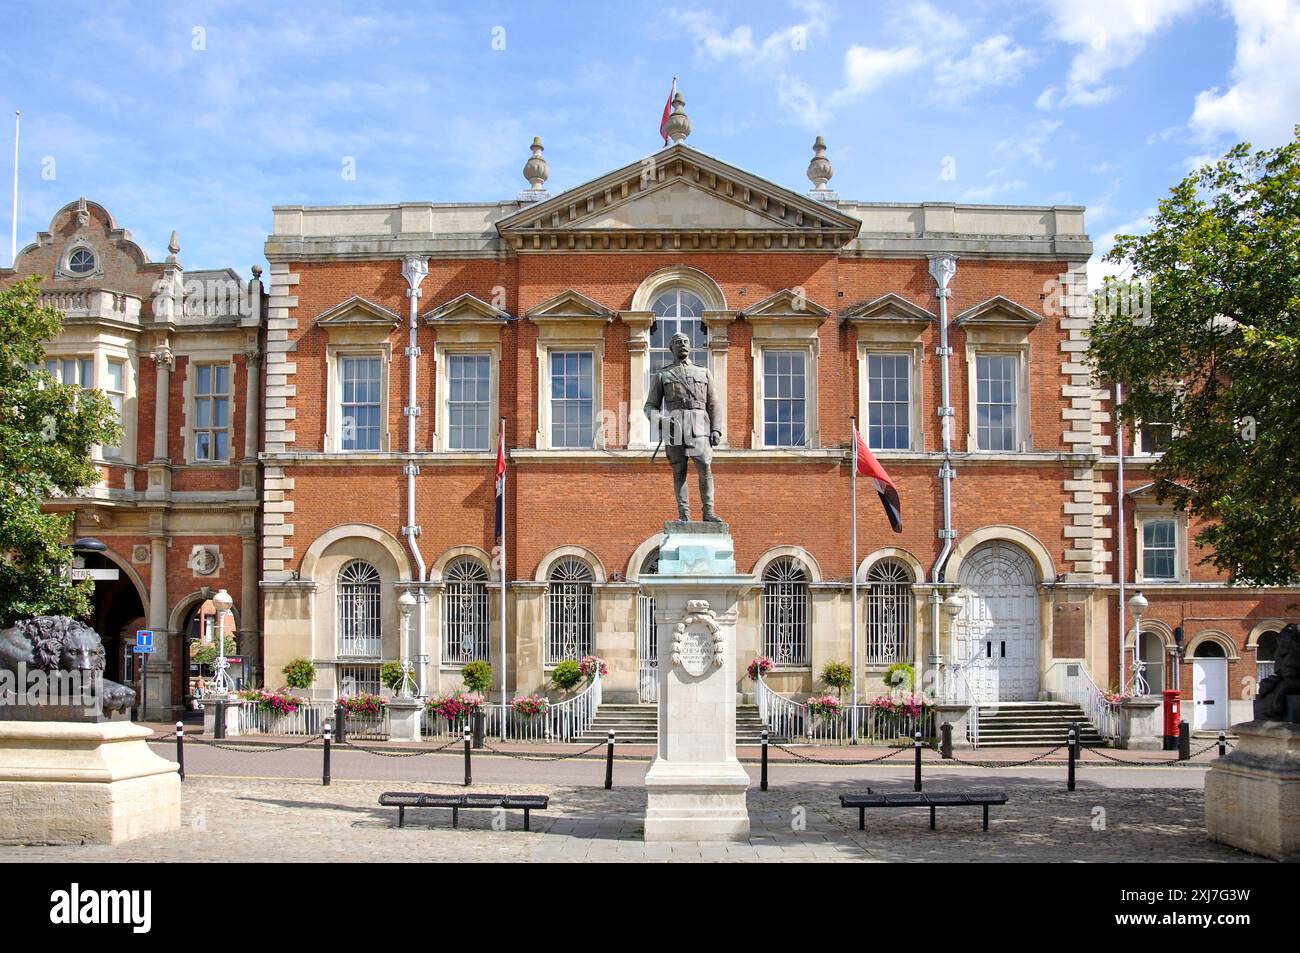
x: 46, y: 432
x: 1217, y: 355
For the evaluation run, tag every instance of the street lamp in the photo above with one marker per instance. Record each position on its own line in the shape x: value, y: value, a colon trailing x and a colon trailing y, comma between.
x: 405, y: 605
x: 1179, y: 651
x: 221, y: 681
x: 1138, y: 605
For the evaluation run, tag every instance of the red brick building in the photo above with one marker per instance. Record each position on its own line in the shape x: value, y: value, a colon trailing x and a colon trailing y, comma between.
x: 396, y: 336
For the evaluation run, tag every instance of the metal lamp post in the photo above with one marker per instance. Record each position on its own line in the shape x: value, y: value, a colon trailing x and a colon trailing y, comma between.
x: 1138, y: 605
x: 405, y: 605
x: 1180, y: 649
x: 221, y: 681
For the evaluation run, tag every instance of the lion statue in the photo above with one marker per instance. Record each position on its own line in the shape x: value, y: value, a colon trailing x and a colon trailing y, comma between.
x: 56, y: 643
x: 1271, y: 700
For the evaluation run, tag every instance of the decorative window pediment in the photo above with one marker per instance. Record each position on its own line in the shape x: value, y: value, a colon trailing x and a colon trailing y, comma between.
x: 466, y: 309
x: 999, y: 312
x: 358, y: 312
x: 678, y: 198
x: 888, y: 310
x: 569, y: 306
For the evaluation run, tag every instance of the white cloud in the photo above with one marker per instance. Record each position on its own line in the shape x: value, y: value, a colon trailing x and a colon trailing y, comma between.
x: 996, y: 61
x: 1029, y: 144
x: 740, y: 44
x: 1110, y: 35
x: 1098, y: 270
x: 866, y: 68
x: 1263, y: 102
x: 993, y: 189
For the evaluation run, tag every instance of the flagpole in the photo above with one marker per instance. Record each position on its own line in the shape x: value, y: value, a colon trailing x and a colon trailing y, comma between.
x: 853, y: 604
x: 13, y: 235
x: 502, y: 438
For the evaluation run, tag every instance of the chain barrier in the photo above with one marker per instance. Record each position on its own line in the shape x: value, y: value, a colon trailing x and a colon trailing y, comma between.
x: 395, y: 753
x: 844, y: 761
x: 535, y: 757
x: 251, y: 749
x: 1006, y: 764
x: 1161, y: 763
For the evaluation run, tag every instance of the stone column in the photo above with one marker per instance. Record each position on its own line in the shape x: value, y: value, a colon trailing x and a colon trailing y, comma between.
x: 696, y: 786
x: 252, y: 401
x: 616, y: 640
x: 250, y: 634
x: 158, y: 687
x: 164, y: 361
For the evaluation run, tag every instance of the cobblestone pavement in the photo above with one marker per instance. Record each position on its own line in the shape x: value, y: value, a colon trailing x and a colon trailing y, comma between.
x: 243, y: 819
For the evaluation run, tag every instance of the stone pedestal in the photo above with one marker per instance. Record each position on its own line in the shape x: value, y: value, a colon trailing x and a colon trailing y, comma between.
x: 404, y: 719
x: 1252, y: 796
x: 1141, y: 726
x: 66, y: 783
x: 956, y: 714
x: 695, y: 786
x: 210, y: 708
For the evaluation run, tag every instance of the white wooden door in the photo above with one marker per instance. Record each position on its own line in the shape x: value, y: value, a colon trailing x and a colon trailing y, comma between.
x: 997, y: 631
x: 1209, y: 694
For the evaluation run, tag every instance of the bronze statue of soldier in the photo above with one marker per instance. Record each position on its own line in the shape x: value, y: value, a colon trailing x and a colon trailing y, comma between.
x: 682, y: 398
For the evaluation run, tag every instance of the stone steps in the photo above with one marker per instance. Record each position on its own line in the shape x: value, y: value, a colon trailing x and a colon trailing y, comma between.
x: 1033, y: 725
x: 639, y: 725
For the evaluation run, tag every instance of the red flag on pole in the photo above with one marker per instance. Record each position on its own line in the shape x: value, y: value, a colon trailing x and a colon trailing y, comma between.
x: 501, y: 481
x: 668, y: 111
x: 869, y: 466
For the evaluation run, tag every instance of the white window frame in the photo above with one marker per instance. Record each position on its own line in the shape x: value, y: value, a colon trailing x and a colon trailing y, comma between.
x: 334, y: 355
x: 118, y: 399
x: 1141, y: 518
x: 443, y: 356
x: 193, y: 429
x: 380, y: 405
x: 913, y: 407
x: 544, y: 419
x: 1024, y: 436
x: 1004, y: 360
x: 809, y: 395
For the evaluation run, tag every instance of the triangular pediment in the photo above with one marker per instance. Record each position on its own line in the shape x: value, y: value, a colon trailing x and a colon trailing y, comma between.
x: 678, y: 198
x: 786, y: 304
x: 888, y: 309
x: 570, y: 305
x: 358, y: 312
x: 999, y: 311
x: 466, y: 309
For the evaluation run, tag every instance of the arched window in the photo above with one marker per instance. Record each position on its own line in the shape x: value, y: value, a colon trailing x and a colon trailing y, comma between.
x: 785, y: 612
x: 677, y: 310
x: 1265, y: 653
x: 1209, y: 649
x: 569, y: 611
x: 464, y: 612
x: 889, y: 612
x: 358, y: 610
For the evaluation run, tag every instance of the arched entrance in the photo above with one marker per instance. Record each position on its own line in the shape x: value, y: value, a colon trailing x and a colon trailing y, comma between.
x: 997, y: 634
x: 116, y: 611
x: 1153, y: 657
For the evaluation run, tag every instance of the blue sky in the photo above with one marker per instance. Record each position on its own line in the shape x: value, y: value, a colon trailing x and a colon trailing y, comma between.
x: 200, y: 117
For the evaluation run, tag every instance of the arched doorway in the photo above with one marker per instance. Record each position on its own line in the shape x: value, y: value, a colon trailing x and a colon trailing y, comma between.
x: 647, y: 642
x: 116, y: 611
x: 1209, y: 687
x: 997, y: 634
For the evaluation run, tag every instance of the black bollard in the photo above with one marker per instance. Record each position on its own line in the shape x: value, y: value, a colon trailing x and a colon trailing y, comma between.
x: 469, y: 776
x: 609, y: 761
x: 1223, y: 744
x: 477, y: 721
x: 945, y: 741
x: 341, y: 724
x: 762, y: 782
x: 1184, y: 741
x: 219, y: 721
x: 325, y: 768
x: 180, y: 747
x: 1072, y: 745
x: 916, y: 786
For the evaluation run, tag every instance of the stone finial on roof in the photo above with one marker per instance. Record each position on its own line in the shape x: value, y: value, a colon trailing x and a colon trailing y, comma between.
x: 820, y: 172
x: 536, y: 171
x: 174, y: 246
x: 679, y: 124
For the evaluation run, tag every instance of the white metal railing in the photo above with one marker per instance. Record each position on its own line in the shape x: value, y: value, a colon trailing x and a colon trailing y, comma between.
x: 368, y: 727
x: 647, y: 650
x: 1263, y: 669
x: 309, y: 719
x: 787, y: 718
x: 955, y: 685
x: 561, y: 722
x: 1071, y: 682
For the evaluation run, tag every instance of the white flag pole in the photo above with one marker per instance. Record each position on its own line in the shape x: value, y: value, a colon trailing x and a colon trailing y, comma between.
x: 502, y: 438
x: 13, y: 236
x: 853, y: 605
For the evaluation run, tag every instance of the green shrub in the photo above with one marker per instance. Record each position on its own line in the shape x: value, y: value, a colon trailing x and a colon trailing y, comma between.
x: 900, y: 677
x: 566, y: 674
x: 477, y: 675
x: 837, y: 675
x: 390, y: 673
x: 299, y: 673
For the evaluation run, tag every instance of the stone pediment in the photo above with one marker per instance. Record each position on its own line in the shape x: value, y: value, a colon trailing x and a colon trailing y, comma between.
x: 887, y: 309
x: 1000, y: 312
x: 570, y: 305
x: 678, y: 198
x: 466, y: 309
x: 786, y: 305
x: 358, y: 312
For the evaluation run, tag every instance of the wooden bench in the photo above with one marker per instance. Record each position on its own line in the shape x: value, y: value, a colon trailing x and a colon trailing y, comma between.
x: 932, y: 801
x: 459, y: 802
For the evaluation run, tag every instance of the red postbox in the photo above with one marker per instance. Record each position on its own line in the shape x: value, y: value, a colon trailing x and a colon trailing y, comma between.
x: 1173, y: 715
